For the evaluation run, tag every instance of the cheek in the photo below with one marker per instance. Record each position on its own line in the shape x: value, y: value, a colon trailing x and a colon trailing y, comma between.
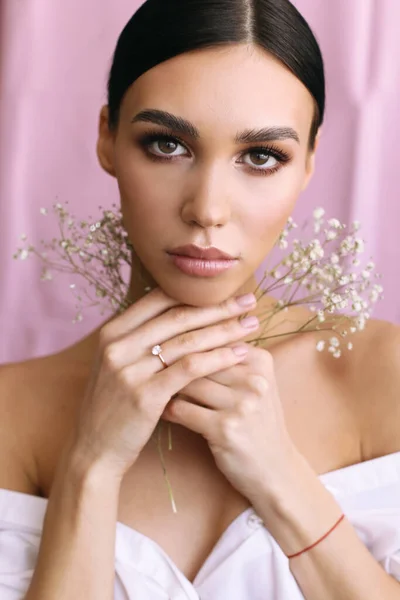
x: 144, y: 198
x: 267, y: 217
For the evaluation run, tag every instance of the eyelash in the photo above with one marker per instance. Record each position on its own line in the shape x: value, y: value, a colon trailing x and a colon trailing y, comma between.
x: 150, y: 137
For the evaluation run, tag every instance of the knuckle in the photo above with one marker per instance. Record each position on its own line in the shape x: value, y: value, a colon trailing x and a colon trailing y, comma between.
x: 258, y: 384
x: 110, y: 356
x: 228, y: 307
x: 190, y: 365
x: 248, y: 406
x: 186, y: 340
x: 229, y: 426
x: 179, y: 314
x: 222, y: 358
x: 228, y: 326
x: 226, y: 356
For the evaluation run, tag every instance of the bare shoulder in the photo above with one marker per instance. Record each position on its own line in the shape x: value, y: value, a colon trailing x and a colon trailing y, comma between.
x: 37, y: 401
x: 354, y: 399
x: 374, y: 380
x: 17, y: 463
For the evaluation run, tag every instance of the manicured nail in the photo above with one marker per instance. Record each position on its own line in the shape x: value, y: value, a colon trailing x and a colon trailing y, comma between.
x: 250, y: 322
x: 246, y: 300
x: 240, y: 350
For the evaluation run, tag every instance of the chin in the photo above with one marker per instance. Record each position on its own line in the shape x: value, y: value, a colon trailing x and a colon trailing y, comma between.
x: 200, y: 292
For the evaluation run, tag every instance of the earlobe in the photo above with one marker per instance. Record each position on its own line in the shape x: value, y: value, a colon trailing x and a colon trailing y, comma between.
x: 105, y: 144
x: 309, y: 171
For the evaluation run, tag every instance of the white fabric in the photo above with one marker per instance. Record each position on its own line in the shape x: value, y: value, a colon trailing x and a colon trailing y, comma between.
x: 245, y: 564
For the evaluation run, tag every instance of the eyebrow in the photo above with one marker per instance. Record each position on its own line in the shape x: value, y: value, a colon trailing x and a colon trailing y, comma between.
x: 182, y: 126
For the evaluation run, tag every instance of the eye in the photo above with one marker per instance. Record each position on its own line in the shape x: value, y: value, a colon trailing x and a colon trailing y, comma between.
x: 167, y: 145
x: 263, y: 156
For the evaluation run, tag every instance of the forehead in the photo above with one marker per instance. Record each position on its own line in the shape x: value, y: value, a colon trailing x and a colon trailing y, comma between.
x: 226, y: 88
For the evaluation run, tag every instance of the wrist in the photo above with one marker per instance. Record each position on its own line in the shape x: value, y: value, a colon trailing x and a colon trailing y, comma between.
x: 297, y: 509
x: 82, y: 469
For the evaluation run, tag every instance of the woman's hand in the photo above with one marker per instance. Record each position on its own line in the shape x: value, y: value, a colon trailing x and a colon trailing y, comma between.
x: 238, y: 411
x: 129, y: 387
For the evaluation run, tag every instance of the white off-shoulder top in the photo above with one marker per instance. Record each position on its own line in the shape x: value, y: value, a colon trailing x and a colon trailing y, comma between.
x: 245, y: 564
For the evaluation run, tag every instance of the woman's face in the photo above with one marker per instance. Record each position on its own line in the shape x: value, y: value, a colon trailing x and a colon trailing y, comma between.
x: 198, y: 184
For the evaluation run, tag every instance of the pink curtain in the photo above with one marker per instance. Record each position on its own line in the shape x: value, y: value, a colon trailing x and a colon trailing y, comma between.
x: 54, y: 62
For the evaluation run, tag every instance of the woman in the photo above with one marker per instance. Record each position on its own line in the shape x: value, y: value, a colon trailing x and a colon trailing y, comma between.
x: 211, y: 129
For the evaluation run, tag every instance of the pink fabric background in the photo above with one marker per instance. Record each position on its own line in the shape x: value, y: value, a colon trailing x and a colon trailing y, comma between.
x: 54, y: 62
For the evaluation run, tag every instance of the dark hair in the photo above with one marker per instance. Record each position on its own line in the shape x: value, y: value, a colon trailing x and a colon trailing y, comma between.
x: 163, y: 29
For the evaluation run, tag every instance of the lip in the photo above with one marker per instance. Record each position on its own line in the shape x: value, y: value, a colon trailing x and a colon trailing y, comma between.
x: 205, y: 254
x: 198, y: 267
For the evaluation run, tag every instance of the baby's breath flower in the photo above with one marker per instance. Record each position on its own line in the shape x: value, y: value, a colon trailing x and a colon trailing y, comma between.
x: 330, y: 234
x: 334, y: 258
x: 359, y: 246
x: 335, y: 223
x: 318, y: 213
x: 276, y: 274
x: 24, y: 254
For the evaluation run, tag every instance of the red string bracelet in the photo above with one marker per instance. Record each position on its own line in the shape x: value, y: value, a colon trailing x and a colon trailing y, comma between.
x: 318, y: 541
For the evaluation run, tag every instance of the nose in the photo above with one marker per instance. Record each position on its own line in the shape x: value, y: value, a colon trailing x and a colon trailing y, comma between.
x: 207, y: 204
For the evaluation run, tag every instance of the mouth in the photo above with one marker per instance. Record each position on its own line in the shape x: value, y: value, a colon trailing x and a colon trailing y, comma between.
x: 202, y: 262
x: 210, y: 253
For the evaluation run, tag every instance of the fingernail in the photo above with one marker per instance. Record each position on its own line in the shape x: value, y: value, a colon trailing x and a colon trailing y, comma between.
x: 240, y: 350
x: 250, y: 322
x: 246, y: 300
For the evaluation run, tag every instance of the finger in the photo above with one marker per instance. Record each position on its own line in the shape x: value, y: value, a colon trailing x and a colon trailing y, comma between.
x: 149, y: 307
x: 209, y: 393
x: 188, y: 329
x: 232, y: 376
x: 258, y: 361
x: 196, y: 418
x: 169, y: 382
x: 202, y: 340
